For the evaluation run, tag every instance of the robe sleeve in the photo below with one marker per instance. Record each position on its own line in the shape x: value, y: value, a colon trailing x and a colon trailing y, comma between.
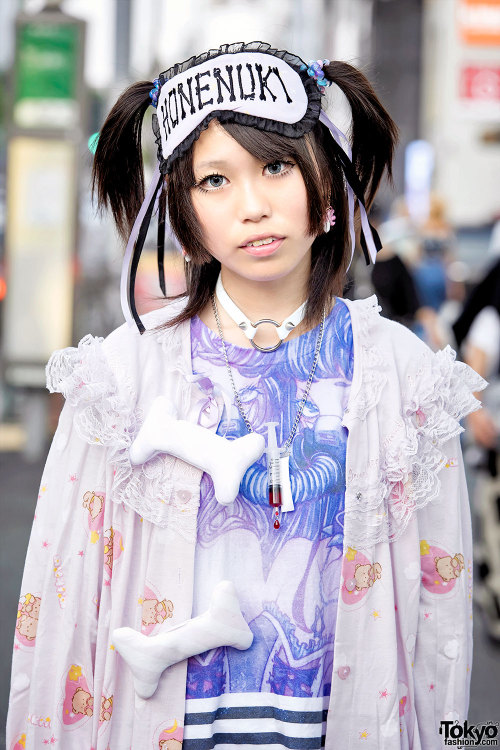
x: 52, y: 685
x: 443, y: 649
x: 56, y: 626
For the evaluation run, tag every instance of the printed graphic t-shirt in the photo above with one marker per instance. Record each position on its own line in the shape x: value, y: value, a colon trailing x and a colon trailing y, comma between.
x: 276, y: 693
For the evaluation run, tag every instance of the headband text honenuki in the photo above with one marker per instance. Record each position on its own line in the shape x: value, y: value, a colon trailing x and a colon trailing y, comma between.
x: 246, y: 84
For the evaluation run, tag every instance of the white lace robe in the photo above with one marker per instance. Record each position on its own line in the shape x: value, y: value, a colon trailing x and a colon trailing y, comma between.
x: 112, y: 544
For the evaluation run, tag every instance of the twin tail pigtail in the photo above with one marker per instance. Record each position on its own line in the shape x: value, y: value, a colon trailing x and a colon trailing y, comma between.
x: 373, y: 132
x: 118, y: 171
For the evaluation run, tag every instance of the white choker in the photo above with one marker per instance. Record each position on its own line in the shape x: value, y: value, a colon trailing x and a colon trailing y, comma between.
x: 250, y: 329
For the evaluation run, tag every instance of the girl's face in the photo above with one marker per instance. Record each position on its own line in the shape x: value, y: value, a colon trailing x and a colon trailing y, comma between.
x: 240, y: 200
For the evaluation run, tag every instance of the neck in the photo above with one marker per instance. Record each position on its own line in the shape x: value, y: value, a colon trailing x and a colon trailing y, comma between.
x: 274, y: 299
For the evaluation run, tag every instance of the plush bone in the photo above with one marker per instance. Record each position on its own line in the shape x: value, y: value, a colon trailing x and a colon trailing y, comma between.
x: 148, y: 656
x: 225, y: 460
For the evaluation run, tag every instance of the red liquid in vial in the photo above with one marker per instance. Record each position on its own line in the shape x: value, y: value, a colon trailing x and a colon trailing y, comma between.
x: 274, y: 495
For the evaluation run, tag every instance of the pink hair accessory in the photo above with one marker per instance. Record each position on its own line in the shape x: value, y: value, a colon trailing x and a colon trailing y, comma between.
x: 329, y: 219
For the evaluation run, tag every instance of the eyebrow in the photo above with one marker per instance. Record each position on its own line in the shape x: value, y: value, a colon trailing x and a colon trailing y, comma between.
x: 221, y: 163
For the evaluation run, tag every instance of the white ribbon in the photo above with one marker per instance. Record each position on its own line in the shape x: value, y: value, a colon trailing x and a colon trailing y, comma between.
x: 129, y: 251
x: 365, y: 225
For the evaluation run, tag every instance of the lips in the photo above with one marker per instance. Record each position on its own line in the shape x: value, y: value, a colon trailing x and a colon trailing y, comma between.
x: 259, y: 237
x: 261, y: 251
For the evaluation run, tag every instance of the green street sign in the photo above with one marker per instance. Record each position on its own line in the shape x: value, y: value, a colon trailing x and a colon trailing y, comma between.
x: 46, y: 74
x: 47, y: 61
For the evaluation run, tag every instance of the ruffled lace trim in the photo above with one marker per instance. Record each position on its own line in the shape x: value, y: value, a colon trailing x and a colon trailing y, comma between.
x: 164, y: 490
x: 86, y: 381
x: 437, y: 394
x: 292, y: 130
x: 374, y: 365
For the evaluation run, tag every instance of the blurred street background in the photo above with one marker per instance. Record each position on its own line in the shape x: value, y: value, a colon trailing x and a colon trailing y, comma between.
x: 436, y: 66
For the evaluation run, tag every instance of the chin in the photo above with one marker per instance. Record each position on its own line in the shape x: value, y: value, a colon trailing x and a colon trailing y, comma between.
x: 268, y: 274
x: 274, y: 267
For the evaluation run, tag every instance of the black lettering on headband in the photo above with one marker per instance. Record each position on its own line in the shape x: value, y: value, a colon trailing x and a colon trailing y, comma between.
x: 251, y: 95
x: 277, y: 73
x: 173, y: 93
x: 229, y: 87
x: 199, y: 89
x: 182, y: 95
x: 165, y: 121
x: 263, y: 83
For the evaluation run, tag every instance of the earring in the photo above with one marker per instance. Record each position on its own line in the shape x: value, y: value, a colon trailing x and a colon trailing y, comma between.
x: 329, y: 219
x: 187, y: 257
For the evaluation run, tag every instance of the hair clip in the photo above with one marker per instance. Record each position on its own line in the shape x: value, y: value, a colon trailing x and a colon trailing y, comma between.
x: 153, y: 94
x: 315, y: 70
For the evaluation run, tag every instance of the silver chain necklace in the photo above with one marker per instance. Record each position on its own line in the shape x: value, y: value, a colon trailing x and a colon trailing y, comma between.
x: 278, y: 474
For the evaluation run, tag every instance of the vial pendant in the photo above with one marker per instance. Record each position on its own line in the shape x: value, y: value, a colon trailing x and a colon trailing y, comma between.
x: 273, y: 482
x: 273, y: 467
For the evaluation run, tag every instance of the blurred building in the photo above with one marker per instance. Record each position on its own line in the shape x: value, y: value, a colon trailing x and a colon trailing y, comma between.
x: 461, y: 105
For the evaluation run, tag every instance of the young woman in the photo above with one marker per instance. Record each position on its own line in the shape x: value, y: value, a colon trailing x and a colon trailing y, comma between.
x: 253, y: 525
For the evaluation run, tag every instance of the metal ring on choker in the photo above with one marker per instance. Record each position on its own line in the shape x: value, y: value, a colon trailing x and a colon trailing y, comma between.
x: 266, y: 348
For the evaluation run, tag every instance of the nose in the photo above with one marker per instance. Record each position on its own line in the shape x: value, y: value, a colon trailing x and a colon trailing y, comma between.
x: 253, y: 201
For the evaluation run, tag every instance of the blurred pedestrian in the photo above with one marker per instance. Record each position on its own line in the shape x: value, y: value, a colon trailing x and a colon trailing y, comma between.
x: 477, y: 331
x: 392, y: 279
x: 437, y: 242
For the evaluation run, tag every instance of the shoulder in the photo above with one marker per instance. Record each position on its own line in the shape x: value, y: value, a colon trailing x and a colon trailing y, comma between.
x: 372, y: 331
x: 119, y: 360
x: 155, y: 323
x: 106, y: 381
x: 127, y: 346
x: 390, y: 354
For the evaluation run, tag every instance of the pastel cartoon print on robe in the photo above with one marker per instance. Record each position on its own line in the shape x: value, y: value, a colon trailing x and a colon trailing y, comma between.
x: 113, y: 547
x: 78, y: 703
x: 59, y: 580
x: 404, y: 699
x: 359, y: 575
x: 440, y: 568
x: 289, y: 584
x: 93, y: 503
x: 106, y: 709
x: 170, y: 737
x: 19, y: 743
x: 27, y: 619
x: 155, y: 610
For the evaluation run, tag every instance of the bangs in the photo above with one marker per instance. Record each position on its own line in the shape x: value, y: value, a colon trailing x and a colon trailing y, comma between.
x: 263, y: 145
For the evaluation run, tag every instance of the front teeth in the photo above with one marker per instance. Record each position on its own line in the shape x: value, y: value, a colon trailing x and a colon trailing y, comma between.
x: 258, y: 243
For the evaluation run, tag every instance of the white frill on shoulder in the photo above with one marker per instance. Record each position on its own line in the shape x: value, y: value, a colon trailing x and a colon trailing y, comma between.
x: 407, y: 403
x: 102, y: 415
x: 104, y: 382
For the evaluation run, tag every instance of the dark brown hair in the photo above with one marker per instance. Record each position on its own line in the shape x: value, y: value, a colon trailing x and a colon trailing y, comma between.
x: 119, y: 183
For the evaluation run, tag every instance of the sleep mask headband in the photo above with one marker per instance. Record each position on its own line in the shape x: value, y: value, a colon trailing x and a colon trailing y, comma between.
x: 249, y: 84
